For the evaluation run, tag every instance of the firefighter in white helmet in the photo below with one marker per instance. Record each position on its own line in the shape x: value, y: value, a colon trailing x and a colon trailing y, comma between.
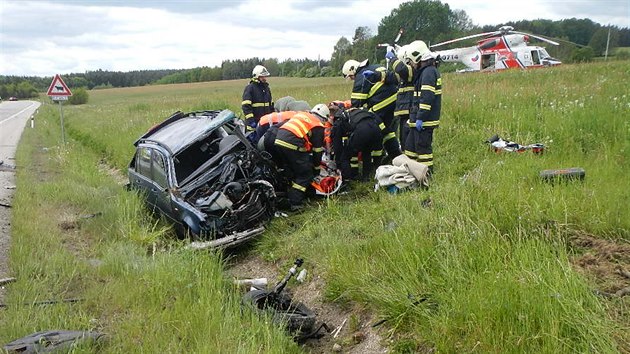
x: 424, y: 115
x: 404, y: 73
x: 374, y: 89
x: 300, y: 144
x: 257, y: 99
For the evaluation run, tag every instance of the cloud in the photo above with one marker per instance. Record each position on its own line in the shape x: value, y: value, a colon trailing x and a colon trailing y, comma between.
x: 604, y: 12
x: 490, y: 12
x: 76, y: 36
x: 62, y: 36
x: 178, y: 6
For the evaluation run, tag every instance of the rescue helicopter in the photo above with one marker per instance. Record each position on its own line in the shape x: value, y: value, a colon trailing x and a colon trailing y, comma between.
x: 501, y: 49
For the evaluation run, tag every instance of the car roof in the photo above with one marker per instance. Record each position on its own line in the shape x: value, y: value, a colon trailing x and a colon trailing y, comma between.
x: 185, y: 129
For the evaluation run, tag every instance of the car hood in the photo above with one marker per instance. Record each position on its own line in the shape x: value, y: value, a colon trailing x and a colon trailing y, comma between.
x: 181, y: 130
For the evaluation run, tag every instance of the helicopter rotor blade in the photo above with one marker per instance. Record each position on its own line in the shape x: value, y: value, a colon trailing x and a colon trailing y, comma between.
x: 538, y: 37
x: 464, y: 38
x: 400, y: 32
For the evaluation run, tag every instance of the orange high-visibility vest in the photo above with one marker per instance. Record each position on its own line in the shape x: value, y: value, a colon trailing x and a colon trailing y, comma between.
x: 276, y: 117
x: 343, y: 104
x: 301, y: 125
x: 327, y: 136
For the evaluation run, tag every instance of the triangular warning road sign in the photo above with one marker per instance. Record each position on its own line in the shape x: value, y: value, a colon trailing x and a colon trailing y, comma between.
x: 58, y: 87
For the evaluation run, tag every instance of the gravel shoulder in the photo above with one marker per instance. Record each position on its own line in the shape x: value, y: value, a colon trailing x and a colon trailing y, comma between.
x: 14, y: 117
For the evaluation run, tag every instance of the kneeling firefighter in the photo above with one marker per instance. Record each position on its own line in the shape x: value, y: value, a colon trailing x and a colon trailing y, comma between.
x: 366, y: 134
x: 299, y: 144
x: 274, y: 118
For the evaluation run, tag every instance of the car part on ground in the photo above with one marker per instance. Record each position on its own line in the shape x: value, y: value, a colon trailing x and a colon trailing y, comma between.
x: 52, y: 341
x: 297, y: 318
x: 199, y: 171
x: 497, y: 144
x: 566, y: 174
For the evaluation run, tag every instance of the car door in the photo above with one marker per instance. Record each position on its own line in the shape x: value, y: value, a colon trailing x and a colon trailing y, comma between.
x: 163, y: 199
x: 151, y: 179
x: 141, y: 175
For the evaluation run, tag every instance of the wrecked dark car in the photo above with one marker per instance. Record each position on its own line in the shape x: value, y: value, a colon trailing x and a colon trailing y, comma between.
x: 200, y: 172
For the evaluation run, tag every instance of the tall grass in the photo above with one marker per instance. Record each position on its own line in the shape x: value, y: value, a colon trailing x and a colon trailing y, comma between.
x: 79, y: 235
x: 479, y: 262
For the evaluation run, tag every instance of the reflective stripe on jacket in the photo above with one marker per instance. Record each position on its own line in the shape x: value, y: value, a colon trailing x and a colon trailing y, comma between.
x: 257, y: 100
x: 302, y: 125
x: 404, y: 73
x: 427, y: 98
x: 375, y: 95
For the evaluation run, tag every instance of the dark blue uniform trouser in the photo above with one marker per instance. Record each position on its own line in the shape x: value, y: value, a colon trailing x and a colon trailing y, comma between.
x: 418, y: 146
x: 299, y: 166
x: 367, y: 140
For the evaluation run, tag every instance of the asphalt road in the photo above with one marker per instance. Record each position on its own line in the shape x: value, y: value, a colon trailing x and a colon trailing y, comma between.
x: 14, y: 117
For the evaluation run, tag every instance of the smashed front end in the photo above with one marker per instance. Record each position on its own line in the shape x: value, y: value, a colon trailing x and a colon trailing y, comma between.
x: 236, y: 195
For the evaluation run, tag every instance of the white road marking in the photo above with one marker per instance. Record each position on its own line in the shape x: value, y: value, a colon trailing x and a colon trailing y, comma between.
x: 17, y: 114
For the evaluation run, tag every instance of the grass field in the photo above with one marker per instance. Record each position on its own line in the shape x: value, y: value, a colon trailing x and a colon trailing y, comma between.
x: 497, y: 261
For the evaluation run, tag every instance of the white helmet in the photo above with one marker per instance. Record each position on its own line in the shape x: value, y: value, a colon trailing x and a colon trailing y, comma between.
x: 350, y: 67
x: 259, y: 70
x: 416, y: 50
x: 402, y: 53
x: 321, y: 110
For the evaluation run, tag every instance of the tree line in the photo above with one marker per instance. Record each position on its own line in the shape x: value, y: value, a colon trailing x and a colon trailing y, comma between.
x: 429, y: 20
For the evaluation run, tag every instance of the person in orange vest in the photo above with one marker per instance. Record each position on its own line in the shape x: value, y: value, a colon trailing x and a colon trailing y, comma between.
x: 299, y: 144
x: 278, y: 117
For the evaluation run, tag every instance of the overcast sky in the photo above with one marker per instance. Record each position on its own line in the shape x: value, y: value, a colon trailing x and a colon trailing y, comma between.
x: 43, y: 38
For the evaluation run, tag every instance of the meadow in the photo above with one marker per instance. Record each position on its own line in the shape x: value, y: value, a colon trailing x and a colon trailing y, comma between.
x: 489, y: 259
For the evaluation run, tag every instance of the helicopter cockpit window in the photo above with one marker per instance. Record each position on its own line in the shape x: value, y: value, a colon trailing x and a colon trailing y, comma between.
x: 535, y: 57
x: 487, y: 61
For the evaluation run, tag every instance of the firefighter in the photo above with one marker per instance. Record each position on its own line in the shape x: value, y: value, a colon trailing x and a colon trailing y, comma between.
x: 374, y: 91
x: 424, y: 114
x: 404, y: 74
x: 365, y: 133
x: 328, y: 141
x: 274, y: 118
x: 299, y: 144
x: 257, y: 100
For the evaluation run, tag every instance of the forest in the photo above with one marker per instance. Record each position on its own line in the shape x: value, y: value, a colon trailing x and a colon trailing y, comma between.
x: 582, y: 40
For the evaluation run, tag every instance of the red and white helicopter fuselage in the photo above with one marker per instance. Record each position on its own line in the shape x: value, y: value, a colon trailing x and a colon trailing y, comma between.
x: 501, y: 52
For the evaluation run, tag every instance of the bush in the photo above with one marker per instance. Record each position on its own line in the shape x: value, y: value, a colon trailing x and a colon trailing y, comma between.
x: 79, y: 96
x: 583, y: 55
x: 622, y: 55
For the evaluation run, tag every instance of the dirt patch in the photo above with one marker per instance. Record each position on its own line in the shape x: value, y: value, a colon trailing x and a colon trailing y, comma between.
x: 605, y: 262
x: 113, y: 172
x: 74, y: 239
x: 351, y: 329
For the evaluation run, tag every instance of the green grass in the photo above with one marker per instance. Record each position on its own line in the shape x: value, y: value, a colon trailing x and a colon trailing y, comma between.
x: 491, y: 259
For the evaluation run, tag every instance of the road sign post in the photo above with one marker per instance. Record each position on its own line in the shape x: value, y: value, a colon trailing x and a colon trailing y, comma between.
x: 58, y: 91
